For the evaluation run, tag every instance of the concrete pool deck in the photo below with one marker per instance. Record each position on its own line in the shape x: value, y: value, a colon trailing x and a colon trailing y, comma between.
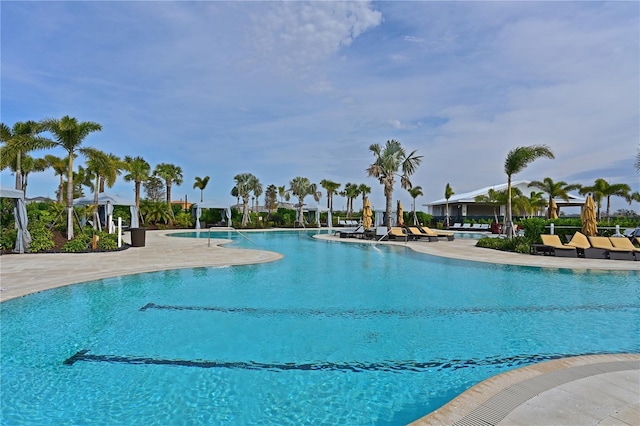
x: 587, y: 390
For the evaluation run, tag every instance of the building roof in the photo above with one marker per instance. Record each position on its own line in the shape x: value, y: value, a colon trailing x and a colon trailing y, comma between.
x: 523, y: 185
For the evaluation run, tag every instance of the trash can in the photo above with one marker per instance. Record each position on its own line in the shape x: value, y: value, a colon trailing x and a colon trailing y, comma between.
x: 137, y: 237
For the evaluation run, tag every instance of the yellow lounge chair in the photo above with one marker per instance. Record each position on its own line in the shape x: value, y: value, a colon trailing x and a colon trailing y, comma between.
x: 582, y: 244
x: 625, y: 244
x: 559, y: 249
x: 397, y: 232
x: 604, y: 243
x: 444, y: 234
x: 417, y: 234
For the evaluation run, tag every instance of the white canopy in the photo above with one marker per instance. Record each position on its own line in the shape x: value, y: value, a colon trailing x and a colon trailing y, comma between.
x: 197, y: 207
x: 105, y: 198
x: 23, y: 238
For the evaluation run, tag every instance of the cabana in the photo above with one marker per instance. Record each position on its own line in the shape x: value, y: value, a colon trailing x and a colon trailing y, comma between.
x: 108, y: 201
x: 197, y: 210
x: 23, y: 238
x: 310, y: 211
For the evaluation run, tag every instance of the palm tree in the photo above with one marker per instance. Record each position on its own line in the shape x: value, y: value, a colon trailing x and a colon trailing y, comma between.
x: 495, y: 199
x: 29, y: 165
x: 59, y: 166
x: 415, y: 192
x: 257, y: 192
x: 170, y: 174
x: 69, y: 134
x: 448, y: 193
x: 201, y: 184
x: 517, y: 160
x: 17, y: 141
x: 350, y: 192
x: 300, y: 187
x: 105, y: 169
x: 536, y: 203
x: 271, y: 198
x: 603, y: 189
x: 332, y: 189
x: 389, y: 160
x: 138, y: 172
x: 558, y: 189
x: 283, y: 193
x: 364, y: 190
x: 245, y: 184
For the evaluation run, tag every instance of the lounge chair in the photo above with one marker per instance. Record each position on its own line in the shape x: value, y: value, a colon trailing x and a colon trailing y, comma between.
x: 456, y: 225
x: 417, y: 234
x: 355, y: 233
x: 484, y: 227
x: 466, y: 226
x: 612, y: 252
x: 625, y: 244
x: 557, y: 247
x: 582, y: 244
x: 397, y: 233
x: 476, y: 226
x: 441, y: 234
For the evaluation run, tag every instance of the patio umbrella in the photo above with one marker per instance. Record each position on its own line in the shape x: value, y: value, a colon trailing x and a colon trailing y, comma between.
x: 588, y: 216
x: 367, y: 214
x: 553, y: 210
x: 400, y: 214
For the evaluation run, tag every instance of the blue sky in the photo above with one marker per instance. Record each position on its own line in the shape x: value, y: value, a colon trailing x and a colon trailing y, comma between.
x: 286, y: 89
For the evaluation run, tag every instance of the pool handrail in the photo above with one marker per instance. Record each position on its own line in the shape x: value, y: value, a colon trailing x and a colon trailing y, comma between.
x: 233, y: 229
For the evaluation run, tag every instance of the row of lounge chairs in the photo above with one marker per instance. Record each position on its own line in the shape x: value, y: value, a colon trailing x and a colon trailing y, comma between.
x: 592, y: 247
x: 471, y: 227
x: 348, y: 223
x: 408, y: 233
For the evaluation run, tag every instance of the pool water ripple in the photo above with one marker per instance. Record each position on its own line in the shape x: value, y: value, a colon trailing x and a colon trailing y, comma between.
x: 331, y: 334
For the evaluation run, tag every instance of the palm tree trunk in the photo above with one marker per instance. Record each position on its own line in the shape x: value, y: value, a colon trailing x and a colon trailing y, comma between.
x: 509, y: 215
x: 389, y: 201
x: 70, y: 198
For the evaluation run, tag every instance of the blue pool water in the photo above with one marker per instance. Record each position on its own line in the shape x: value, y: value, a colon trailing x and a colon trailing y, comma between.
x: 333, y: 333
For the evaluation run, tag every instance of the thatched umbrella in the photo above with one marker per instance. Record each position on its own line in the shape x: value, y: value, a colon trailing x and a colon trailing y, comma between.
x: 588, y: 216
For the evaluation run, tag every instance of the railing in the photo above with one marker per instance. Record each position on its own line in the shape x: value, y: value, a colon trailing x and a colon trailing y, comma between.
x: 233, y: 229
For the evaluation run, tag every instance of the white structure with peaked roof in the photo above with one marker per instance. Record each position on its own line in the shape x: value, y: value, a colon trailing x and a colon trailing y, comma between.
x: 464, y: 205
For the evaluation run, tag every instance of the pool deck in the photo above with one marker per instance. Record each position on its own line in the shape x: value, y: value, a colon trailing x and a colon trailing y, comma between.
x: 586, y: 390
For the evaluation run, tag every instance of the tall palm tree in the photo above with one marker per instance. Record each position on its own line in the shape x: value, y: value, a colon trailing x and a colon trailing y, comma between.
x: 201, y: 184
x: 245, y: 184
x: 171, y: 174
x: 603, y: 189
x: 59, y: 166
x: 23, y: 137
x: 448, y: 193
x: 300, y: 187
x: 69, y: 134
x: 558, y: 189
x: 389, y: 160
x: 257, y: 192
x: 332, y: 189
x: 138, y: 172
x: 517, y: 160
x: 415, y: 192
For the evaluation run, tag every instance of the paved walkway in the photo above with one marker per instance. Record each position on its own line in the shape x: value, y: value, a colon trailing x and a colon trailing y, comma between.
x: 590, y: 390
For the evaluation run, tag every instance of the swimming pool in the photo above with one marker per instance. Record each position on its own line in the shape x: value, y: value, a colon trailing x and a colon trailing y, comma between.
x: 333, y: 333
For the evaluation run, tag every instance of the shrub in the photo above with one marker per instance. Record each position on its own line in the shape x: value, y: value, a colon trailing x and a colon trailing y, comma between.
x: 516, y: 244
x: 533, y: 228
x: 79, y: 244
x: 8, y: 238
x: 183, y: 220
x: 41, y: 237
